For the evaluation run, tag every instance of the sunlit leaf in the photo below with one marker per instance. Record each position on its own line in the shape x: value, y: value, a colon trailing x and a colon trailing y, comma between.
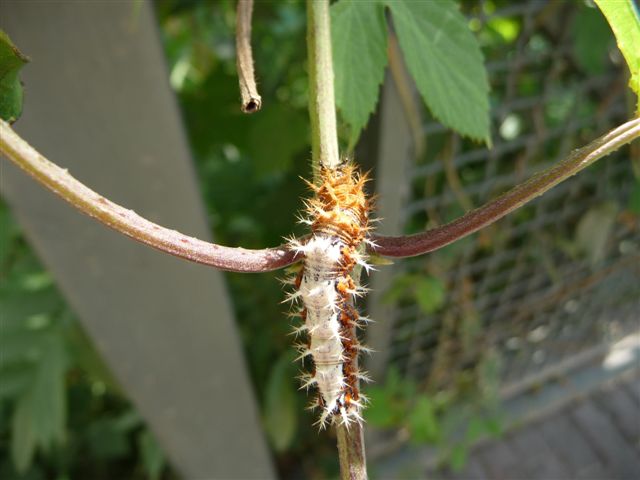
x: 446, y: 63
x: 507, y: 28
x: 359, y: 38
x: 625, y: 23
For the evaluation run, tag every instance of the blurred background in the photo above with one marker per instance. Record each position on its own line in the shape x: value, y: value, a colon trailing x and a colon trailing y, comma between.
x: 475, y: 343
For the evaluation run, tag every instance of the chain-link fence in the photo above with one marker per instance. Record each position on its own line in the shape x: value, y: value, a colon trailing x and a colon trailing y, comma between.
x: 560, y: 276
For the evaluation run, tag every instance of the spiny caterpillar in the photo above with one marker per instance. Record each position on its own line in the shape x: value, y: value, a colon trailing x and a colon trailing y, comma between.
x: 339, y: 220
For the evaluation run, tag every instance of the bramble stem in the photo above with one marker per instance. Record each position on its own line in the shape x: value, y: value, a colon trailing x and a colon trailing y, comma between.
x: 251, y: 100
x: 322, y: 105
x: 125, y: 221
x: 351, y: 451
x: 430, y: 240
x: 324, y: 142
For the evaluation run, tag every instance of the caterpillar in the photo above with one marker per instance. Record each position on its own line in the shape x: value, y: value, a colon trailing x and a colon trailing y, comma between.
x: 339, y: 219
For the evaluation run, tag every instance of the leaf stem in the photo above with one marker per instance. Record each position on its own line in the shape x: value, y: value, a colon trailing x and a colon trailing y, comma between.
x: 436, y: 238
x: 251, y: 100
x: 126, y: 221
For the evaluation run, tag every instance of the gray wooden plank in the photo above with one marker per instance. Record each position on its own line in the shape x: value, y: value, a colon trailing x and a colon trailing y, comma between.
x: 440, y: 474
x: 619, y: 458
x: 539, y: 461
x: 98, y: 102
x: 634, y: 388
x: 395, y: 150
x: 472, y: 471
x: 623, y: 411
x: 592, y: 472
x: 500, y: 461
x: 569, y: 445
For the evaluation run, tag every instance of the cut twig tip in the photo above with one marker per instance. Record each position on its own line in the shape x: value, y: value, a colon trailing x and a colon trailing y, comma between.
x: 251, y: 100
x: 252, y: 105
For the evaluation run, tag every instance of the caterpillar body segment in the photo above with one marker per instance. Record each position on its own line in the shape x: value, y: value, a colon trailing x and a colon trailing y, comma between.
x: 339, y: 220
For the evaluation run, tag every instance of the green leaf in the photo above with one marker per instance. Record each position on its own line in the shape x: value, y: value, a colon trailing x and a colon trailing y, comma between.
x: 127, y: 421
x: 84, y: 353
x: 359, y: 38
x: 401, y: 285
x: 475, y: 429
x: 48, y: 392
x: 382, y: 411
x: 11, y: 61
x: 39, y: 417
x: 7, y: 234
x: 15, y: 379
x: 152, y: 456
x: 494, y: 426
x: 280, y: 410
x: 446, y: 63
x: 23, y: 436
x: 430, y: 294
x: 458, y: 457
x: 591, y: 40
x: 17, y: 305
x: 423, y: 421
x: 106, y: 440
x: 625, y: 23
x: 634, y: 199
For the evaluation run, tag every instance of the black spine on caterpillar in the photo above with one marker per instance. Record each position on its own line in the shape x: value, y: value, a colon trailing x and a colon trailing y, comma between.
x: 339, y: 219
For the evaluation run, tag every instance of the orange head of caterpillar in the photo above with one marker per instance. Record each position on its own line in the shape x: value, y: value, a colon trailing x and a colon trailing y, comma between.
x: 340, y: 207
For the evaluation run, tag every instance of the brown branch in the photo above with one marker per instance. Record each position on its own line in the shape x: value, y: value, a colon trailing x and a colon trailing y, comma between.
x: 129, y: 223
x: 409, y: 246
x: 251, y: 100
x: 351, y: 452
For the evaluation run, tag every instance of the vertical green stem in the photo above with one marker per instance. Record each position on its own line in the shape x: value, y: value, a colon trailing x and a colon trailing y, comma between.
x: 322, y: 108
x: 324, y: 142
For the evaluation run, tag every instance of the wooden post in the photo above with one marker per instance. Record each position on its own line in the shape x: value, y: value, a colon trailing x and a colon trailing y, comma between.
x: 98, y: 102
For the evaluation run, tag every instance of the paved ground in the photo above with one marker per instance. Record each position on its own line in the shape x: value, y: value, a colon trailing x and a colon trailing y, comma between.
x: 595, y: 438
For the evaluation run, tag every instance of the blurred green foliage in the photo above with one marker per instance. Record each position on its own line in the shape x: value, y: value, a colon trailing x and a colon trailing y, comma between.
x: 451, y: 419
x: 63, y: 416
